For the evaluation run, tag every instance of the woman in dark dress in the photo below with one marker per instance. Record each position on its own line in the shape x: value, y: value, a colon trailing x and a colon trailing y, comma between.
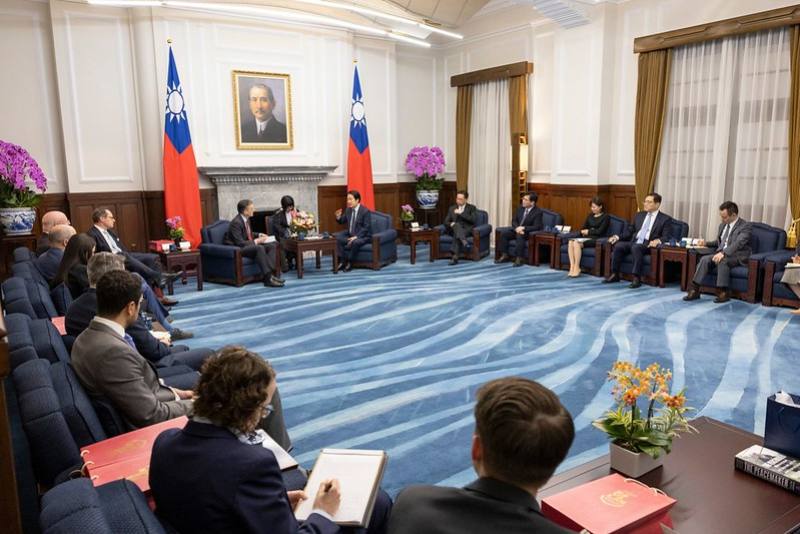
x: 596, y: 225
x: 72, y: 271
x: 281, y: 229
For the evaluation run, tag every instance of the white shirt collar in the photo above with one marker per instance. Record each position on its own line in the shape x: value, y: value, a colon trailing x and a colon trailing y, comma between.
x: 113, y: 325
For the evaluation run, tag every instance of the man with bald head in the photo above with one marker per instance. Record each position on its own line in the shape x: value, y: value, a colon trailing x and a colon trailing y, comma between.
x: 48, y: 263
x: 49, y: 220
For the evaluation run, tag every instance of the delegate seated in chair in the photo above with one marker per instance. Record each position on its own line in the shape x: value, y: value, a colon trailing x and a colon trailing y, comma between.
x: 253, y: 245
x: 280, y: 225
x: 358, y: 233
x: 461, y: 219
x: 650, y: 228
x: 595, y: 226
x: 529, y: 218
x: 50, y: 260
x: 731, y: 249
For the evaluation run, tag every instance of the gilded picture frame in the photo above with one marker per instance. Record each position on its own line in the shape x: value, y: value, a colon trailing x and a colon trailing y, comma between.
x: 262, y: 110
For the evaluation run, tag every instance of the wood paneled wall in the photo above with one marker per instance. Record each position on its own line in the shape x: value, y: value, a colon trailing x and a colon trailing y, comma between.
x: 572, y: 201
x: 388, y: 199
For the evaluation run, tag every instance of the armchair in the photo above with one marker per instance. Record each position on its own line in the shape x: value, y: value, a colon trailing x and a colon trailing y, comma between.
x: 481, y: 234
x: 678, y: 230
x: 765, y: 242
x: 549, y: 219
x: 382, y: 250
x: 224, y: 263
x: 592, y: 260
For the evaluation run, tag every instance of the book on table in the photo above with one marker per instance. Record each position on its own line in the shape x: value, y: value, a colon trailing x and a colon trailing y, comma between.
x: 771, y: 466
x: 359, y: 473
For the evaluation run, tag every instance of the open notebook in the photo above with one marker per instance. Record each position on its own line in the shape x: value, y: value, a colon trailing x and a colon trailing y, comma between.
x: 359, y: 473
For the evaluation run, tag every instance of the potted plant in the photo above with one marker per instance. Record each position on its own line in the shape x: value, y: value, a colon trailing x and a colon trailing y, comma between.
x: 302, y: 223
x: 639, y: 441
x: 426, y: 163
x: 175, y: 230
x: 406, y: 215
x: 17, y: 199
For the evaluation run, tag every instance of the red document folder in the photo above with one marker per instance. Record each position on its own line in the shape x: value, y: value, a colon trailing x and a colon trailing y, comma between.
x: 127, y: 449
x: 135, y: 469
x: 60, y: 325
x: 156, y: 244
x: 610, y: 505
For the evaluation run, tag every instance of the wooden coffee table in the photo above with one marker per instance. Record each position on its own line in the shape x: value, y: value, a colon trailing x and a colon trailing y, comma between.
x: 676, y: 255
x: 186, y: 260
x: 319, y: 246
x: 412, y: 237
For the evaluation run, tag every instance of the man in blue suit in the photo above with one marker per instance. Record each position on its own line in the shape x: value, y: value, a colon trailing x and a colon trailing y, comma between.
x: 49, y: 261
x: 650, y: 228
x: 527, y: 219
x: 358, y: 233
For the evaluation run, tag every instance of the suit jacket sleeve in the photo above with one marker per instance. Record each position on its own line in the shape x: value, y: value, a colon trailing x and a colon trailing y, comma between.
x: 515, y: 222
x: 469, y: 215
x: 100, y: 244
x: 261, y: 501
x: 147, y: 345
x: 344, y: 218
x: 741, y: 241
x: 238, y: 233
x: 629, y: 232
x: 450, y: 217
x: 125, y: 386
x: 537, y: 223
x: 715, y: 242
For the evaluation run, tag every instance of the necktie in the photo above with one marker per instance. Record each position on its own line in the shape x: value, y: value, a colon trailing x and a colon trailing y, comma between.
x: 524, y: 216
x: 645, y: 229
x: 353, y: 221
x: 112, y: 243
x: 249, y: 233
x: 724, y: 241
x: 129, y: 340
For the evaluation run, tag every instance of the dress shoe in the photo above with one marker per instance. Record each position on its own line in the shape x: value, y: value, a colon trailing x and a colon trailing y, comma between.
x: 693, y: 294
x: 637, y: 283
x: 502, y: 259
x: 169, y: 319
x: 169, y: 277
x: 723, y: 296
x: 342, y: 265
x: 517, y: 262
x: 271, y: 281
x: 166, y: 301
x: 453, y: 261
x: 177, y: 334
x: 614, y: 277
x: 348, y: 267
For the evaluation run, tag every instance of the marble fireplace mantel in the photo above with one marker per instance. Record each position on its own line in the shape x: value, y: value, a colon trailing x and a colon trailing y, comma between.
x: 265, y: 186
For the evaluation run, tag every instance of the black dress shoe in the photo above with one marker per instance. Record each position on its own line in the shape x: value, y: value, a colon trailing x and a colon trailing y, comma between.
x: 169, y: 277
x: 614, y: 277
x: 502, y: 259
x: 453, y: 261
x: 342, y: 265
x: 693, y: 294
x: 166, y: 301
x: 348, y: 267
x: 271, y: 281
x: 177, y: 334
x: 517, y: 262
x: 723, y: 296
x: 635, y: 284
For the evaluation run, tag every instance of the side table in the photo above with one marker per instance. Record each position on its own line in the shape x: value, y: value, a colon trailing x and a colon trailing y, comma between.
x: 546, y: 240
x: 412, y: 237
x: 319, y: 246
x: 188, y: 261
x: 675, y: 255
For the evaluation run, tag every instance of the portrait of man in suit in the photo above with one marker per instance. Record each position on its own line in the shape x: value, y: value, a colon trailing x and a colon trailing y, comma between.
x: 262, y: 110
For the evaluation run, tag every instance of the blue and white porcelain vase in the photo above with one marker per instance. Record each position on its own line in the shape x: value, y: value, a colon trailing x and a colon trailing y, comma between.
x: 17, y: 221
x: 427, y: 199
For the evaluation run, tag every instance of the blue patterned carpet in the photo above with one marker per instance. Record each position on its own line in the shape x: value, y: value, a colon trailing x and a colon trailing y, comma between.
x: 391, y: 359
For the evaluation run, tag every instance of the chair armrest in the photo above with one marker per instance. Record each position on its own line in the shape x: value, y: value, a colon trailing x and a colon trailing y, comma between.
x: 386, y: 236
x: 219, y: 251
x: 483, y: 230
x: 502, y: 228
x: 439, y: 228
x: 764, y: 256
x: 780, y: 258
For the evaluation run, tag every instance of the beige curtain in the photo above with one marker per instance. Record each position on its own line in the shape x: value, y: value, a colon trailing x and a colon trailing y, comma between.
x: 518, y: 118
x: 651, y: 105
x: 463, y: 122
x: 794, y: 126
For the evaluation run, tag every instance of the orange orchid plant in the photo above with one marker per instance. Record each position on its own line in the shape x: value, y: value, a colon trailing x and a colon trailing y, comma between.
x: 665, y: 418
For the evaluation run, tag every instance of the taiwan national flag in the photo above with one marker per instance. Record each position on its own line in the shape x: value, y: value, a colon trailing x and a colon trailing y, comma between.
x: 359, y: 165
x: 181, y: 186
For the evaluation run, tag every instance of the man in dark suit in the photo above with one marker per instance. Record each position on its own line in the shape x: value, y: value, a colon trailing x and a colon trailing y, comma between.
x: 263, y: 127
x: 146, y: 265
x: 650, y: 228
x: 49, y: 220
x: 253, y: 245
x: 522, y: 433
x: 732, y: 248
x: 527, y: 219
x: 48, y: 263
x: 459, y: 223
x: 281, y: 228
x: 358, y: 233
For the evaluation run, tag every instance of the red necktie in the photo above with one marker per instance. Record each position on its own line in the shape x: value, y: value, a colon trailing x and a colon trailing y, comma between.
x: 249, y: 233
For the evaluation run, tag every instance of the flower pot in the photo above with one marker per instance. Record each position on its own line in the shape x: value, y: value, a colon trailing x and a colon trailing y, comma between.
x: 407, y: 224
x: 428, y: 199
x: 17, y: 221
x: 178, y: 242
x: 633, y: 464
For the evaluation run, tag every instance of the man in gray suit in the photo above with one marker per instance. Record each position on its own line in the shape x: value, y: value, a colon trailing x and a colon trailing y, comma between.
x: 732, y: 248
x: 522, y: 433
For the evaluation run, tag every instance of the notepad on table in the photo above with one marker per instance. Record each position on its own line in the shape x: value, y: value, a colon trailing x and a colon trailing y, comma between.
x: 359, y: 473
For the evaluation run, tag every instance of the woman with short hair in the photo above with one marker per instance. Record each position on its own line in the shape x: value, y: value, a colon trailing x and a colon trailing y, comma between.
x: 596, y: 225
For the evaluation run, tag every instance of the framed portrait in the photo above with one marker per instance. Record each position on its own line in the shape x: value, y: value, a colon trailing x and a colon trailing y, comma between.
x: 262, y: 110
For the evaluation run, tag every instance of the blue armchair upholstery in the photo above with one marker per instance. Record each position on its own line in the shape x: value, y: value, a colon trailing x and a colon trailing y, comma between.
x: 28, y: 271
x: 224, y: 263
x: 61, y: 298
x: 15, y: 297
x: 47, y: 341
x: 20, y: 344
x: 592, y: 258
x: 765, y: 242
x: 774, y: 293
x: 481, y: 234
x: 382, y: 250
x: 81, y: 418
x: 677, y: 231
x: 23, y: 254
x: 549, y: 219
x: 116, y: 507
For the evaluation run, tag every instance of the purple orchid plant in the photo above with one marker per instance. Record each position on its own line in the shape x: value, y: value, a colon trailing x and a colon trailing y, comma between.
x: 16, y: 168
x: 426, y: 163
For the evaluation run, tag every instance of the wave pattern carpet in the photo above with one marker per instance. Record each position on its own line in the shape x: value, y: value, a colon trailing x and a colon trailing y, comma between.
x: 392, y: 359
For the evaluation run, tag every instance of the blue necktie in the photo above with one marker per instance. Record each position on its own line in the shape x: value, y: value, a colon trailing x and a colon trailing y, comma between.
x: 129, y: 340
x: 352, y: 221
x: 645, y: 228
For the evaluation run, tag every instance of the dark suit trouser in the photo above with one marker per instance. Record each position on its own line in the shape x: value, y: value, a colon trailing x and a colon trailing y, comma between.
x: 144, y: 264
x: 264, y: 256
x: 460, y: 234
x: 349, y: 251
x: 519, y: 242
x: 637, y: 251
x: 183, y: 355
x: 707, y: 265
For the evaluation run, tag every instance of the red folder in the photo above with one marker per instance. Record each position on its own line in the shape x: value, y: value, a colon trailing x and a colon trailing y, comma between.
x: 125, y: 448
x: 60, y: 325
x: 610, y: 505
x: 154, y: 245
x: 135, y: 469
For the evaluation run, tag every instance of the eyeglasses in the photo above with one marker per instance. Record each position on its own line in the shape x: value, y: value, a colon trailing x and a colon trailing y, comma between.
x: 266, y: 411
